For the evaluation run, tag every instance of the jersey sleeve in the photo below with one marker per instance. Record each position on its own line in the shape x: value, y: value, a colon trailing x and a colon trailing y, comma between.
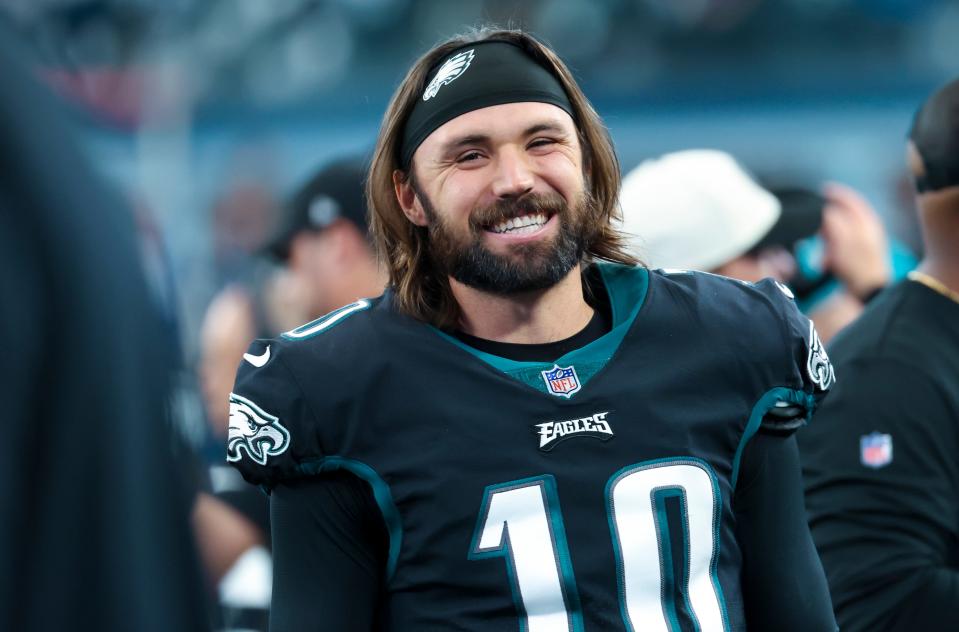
x: 784, y: 586
x: 330, y: 547
x: 807, y: 369
x: 273, y: 431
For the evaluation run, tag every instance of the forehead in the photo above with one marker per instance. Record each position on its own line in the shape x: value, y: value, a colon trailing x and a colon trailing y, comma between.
x: 505, y: 121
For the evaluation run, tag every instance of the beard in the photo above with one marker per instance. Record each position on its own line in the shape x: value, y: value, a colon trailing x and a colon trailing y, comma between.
x: 526, y: 267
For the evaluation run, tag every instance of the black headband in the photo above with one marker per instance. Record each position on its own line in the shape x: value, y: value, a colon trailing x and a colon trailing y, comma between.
x: 477, y: 76
x: 935, y: 133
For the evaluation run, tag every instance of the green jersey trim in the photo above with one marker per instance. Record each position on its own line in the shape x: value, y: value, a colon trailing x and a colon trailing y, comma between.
x: 381, y: 493
x: 766, y: 403
x: 626, y: 287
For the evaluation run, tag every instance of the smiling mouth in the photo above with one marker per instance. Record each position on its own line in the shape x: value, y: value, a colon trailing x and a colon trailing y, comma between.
x: 521, y: 225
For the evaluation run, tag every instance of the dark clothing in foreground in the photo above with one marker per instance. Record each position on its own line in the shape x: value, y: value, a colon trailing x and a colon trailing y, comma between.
x: 94, y: 531
x: 422, y: 484
x: 881, y: 466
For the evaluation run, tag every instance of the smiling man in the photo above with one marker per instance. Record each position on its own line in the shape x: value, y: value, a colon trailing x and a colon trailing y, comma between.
x: 529, y: 431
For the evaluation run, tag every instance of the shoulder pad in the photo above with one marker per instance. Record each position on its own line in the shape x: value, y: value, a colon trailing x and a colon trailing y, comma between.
x: 810, y: 365
x: 270, y: 423
x: 274, y: 429
x: 763, y: 318
x: 809, y: 353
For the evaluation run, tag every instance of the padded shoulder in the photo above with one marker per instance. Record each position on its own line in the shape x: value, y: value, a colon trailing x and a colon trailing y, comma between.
x: 730, y: 309
x: 276, y: 426
x: 761, y: 319
x: 328, y: 322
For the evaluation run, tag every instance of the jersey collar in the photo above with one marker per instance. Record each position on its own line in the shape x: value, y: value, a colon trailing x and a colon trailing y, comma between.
x: 626, y: 287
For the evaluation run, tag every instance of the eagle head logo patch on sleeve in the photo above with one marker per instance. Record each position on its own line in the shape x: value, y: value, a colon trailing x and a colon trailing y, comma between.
x: 562, y: 381
x: 786, y: 291
x: 258, y: 433
x: 818, y: 365
x: 451, y: 70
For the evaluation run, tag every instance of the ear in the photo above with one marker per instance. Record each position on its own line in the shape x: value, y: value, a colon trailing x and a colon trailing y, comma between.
x: 914, y: 161
x: 406, y: 196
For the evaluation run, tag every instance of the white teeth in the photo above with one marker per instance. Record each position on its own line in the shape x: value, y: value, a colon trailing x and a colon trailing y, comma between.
x: 521, y: 225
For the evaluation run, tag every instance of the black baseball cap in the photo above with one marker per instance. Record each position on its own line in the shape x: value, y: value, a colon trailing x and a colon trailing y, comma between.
x: 334, y: 192
x: 801, y: 217
x: 935, y: 134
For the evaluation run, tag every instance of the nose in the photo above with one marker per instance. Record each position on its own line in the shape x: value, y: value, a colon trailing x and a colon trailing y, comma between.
x: 514, y: 176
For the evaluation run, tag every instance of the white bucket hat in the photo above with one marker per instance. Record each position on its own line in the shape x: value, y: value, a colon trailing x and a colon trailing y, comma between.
x: 695, y: 209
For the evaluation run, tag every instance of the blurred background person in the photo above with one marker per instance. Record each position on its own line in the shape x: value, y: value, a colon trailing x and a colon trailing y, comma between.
x: 323, y: 243
x: 95, y: 490
x: 325, y: 261
x: 230, y: 521
x: 241, y: 217
x: 847, y: 261
x: 699, y: 209
x: 882, y: 478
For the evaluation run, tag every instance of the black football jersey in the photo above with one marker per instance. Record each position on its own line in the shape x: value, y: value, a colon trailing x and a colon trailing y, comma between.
x: 589, y: 493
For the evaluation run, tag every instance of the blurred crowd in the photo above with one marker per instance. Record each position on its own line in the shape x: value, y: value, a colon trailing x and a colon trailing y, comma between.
x: 282, y: 250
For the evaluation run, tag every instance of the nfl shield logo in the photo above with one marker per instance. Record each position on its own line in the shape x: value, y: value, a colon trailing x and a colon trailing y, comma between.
x: 562, y: 381
x: 875, y: 450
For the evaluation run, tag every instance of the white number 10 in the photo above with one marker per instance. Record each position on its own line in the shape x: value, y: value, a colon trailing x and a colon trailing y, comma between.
x: 521, y: 522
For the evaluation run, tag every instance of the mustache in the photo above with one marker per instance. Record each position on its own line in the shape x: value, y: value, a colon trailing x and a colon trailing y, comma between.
x: 502, y: 210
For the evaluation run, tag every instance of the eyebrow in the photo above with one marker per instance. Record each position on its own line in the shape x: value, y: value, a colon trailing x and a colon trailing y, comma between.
x: 545, y: 127
x: 464, y: 141
x: 484, y: 139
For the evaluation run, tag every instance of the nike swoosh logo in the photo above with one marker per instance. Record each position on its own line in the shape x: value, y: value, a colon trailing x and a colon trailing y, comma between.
x: 259, y: 360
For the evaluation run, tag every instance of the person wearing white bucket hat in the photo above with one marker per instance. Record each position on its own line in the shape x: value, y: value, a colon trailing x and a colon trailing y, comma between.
x: 696, y: 209
x: 699, y: 209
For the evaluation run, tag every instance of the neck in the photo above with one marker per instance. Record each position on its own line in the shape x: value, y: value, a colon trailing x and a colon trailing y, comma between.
x: 944, y: 268
x: 555, y: 313
x: 939, y: 212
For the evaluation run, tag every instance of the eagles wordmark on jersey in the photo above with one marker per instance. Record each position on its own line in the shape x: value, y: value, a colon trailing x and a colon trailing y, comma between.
x: 589, y: 493
x: 550, y: 432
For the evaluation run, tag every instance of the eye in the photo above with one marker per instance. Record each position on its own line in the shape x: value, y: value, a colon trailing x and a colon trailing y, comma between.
x: 469, y: 156
x: 541, y: 143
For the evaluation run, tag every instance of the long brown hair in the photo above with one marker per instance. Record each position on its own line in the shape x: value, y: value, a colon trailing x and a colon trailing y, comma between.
x: 423, y: 292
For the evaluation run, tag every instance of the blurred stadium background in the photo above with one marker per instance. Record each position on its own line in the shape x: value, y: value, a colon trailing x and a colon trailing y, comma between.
x: 206, y: 112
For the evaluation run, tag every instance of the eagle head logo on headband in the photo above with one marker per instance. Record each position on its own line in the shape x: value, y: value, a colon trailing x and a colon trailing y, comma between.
x: 501, y: 73
x: 451, y: 69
